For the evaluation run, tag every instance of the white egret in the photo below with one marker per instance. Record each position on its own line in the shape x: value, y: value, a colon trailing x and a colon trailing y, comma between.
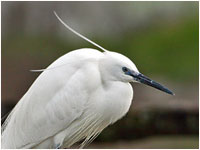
x: 74, y: 99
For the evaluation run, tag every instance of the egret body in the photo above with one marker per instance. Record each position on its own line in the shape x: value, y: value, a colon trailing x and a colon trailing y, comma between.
x: 75, y: 98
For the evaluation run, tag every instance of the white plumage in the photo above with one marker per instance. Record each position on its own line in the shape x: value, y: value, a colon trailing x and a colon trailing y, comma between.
x: 68, y: 103
x: 73, y: 99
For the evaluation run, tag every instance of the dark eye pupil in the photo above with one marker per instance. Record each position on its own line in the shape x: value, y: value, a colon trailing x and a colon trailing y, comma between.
x: 125, y: 69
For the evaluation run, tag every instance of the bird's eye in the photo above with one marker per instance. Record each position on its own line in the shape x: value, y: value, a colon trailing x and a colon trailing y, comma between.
x: 124, y: 69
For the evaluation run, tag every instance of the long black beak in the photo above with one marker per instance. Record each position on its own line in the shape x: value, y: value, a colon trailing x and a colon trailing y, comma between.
x: 143, y: 79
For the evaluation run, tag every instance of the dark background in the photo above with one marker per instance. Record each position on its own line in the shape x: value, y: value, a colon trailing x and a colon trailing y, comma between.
x: 161, y: 38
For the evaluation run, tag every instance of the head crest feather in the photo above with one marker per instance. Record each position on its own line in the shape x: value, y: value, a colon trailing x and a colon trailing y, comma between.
x: 80, y: 35
x: 75, y: 32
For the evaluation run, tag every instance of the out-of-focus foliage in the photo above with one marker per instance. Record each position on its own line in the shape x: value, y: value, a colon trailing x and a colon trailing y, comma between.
x: 162, y: 49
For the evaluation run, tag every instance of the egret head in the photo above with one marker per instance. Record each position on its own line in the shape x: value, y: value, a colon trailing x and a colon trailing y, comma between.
x: 120, y: 68
x: 115, y: 66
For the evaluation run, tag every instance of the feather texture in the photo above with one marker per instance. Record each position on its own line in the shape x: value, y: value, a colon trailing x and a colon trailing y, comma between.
x: 64, y: 106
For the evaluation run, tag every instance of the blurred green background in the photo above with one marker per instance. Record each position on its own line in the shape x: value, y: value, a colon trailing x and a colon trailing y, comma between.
x: 161, y: 38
